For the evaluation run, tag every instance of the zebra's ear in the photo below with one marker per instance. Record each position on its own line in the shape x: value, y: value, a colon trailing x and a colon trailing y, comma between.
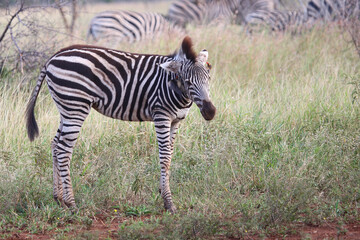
x: 203, y: 57
x: 171, y: 66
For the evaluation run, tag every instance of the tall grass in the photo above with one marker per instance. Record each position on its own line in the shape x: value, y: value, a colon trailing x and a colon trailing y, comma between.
x: 283, y: 148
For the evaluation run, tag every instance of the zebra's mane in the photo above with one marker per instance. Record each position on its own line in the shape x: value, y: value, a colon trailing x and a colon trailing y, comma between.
x: 187, y: 49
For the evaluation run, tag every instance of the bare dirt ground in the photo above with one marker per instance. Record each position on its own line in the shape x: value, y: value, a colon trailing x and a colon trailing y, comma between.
x: 101, y: 230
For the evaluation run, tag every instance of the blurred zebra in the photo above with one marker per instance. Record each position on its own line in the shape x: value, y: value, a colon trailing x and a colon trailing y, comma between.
x: 131, y: 26
x: 247, y: 7
x: 121, y: 85
x: 276, y: 20
x: 183, y: 12
x: 331, y: 10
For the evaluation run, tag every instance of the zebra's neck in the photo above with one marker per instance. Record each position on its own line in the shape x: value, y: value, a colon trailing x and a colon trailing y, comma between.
x: 180, y: 100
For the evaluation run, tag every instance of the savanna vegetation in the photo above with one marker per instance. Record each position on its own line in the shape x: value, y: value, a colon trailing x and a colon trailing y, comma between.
x: 283, y: 149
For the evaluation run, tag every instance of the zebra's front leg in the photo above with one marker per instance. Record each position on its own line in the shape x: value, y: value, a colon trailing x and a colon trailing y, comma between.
x: 173, y: 130
x: 163, y: 129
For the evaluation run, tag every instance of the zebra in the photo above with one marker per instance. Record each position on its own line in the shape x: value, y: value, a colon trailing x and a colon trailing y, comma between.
x: 131, y: 26
x: 278, y: 21
x: 183, y: 12
x: 125, y: 86
x: 331, y: 10
x: 247, y: 7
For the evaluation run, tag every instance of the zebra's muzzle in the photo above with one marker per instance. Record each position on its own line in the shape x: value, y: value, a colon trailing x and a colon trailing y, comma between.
x: 208, y: 110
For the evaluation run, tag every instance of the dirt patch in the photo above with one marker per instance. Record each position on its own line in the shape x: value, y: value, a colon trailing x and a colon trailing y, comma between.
x: 100, y: 229
x: 328, y: 231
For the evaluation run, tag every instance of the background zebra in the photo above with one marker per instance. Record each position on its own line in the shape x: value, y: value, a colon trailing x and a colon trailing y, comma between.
x: 277, y: 20
x: 183, y: 12
x: 246, y: 7
x: 131, y: 26
x: 314, y: 11
x: 330, y: 10
x: 126, y: 86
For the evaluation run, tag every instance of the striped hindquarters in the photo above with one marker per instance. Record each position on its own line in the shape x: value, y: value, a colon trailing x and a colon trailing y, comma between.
x: 117, y: 84
x: 128, y: 26
x: 277, y: 20
x: 221, y: 11
x: 247, y: 7
x: 331, y: 10
x: 182, y: 12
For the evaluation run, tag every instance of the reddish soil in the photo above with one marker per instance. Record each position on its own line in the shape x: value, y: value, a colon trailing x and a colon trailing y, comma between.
x: 101, y: 230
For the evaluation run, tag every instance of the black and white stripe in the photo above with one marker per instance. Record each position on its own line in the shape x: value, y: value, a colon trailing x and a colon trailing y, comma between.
x: 247, y: 7
x: 183, y: 12
x: 276, y: 20
x: 126, y: 86
x: 131, y: 26
x: 332, y: 10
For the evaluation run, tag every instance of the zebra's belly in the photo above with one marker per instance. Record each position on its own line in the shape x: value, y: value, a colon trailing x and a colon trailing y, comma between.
x: 125, y: 114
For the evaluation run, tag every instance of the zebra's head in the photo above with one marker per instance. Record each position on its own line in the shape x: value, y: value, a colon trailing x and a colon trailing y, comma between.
x: 191, y: 73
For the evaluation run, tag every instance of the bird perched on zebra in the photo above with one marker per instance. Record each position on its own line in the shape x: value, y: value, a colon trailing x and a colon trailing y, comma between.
x: 125, y: 86
x: 131, y: 26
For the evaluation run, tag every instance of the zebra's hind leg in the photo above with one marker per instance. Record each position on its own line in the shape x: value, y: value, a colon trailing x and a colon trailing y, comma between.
x: 57, y: 185
x: 64, y: 149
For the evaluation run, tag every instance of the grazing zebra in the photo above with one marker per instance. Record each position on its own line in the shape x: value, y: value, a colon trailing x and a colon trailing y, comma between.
x: 183, y: 12
x: 247, y: 7
x: 126, y: 86
x: 330, y: 10
x: 131, y: 26
x: 276, y: 20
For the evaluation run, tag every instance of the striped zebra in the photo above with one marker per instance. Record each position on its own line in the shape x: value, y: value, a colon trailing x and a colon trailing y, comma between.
x: 248, y: 7
x: 183, y: 12
x: 276, y: 20
x: 126, y: 86
x: 331, y: 10
x: 131, y: 26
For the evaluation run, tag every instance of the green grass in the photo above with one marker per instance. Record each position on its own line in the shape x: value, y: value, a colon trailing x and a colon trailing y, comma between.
x: 284, y: 147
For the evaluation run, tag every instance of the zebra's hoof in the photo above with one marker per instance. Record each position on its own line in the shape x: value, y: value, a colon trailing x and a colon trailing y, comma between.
x: 60, y: 202
x: 73, y: 210
x: 171, y: 209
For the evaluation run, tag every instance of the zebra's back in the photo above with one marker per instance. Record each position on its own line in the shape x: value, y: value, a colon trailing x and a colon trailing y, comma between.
x: 277, y: 20
x: 117, y: 84
x: 128, y: 26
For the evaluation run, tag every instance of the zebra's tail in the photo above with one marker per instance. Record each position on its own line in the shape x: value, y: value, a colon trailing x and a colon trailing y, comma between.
x: 31, y: 125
